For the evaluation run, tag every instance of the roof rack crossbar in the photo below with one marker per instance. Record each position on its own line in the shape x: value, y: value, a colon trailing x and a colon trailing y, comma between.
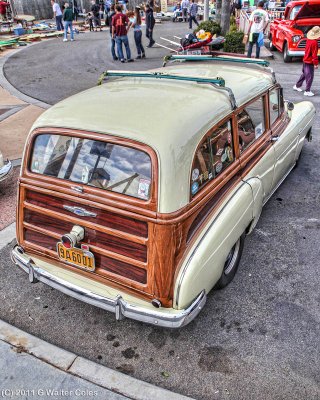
x: 160, y: 75
x: 242, y: 60
x: 218, y: 83
x: 246, y: 61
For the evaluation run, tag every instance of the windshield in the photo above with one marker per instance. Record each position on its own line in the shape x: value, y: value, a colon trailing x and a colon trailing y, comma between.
x: 294, y: 12
x: 103, y: 165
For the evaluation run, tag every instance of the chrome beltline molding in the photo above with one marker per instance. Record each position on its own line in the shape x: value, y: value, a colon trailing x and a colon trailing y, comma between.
x: 119, y: 306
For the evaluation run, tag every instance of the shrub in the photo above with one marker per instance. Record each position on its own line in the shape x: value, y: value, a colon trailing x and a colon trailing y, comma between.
x: 209, y: 26
x: 233, y: 43
x: 233, y: 24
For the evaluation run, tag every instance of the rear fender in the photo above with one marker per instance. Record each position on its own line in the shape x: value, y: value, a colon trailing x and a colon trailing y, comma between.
x: 203, y: 264
x: 258, y: 196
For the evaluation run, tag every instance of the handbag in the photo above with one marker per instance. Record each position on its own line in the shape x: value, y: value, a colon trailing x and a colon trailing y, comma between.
x: 245, y: 39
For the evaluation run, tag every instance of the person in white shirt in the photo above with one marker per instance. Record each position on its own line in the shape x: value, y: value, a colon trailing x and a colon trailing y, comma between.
x: 57, y: 14
x: 184, y: 8
x: 259, y: 19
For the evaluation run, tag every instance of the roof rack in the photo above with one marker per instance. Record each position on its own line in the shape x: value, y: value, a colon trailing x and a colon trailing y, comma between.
x: 218, y: 83
x: 224, y: 58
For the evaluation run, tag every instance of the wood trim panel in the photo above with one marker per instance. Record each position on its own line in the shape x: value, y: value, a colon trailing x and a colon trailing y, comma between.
x: 111, y: 220
x: 36, y: 241
x: 84, y: 223
x: 94, y: 248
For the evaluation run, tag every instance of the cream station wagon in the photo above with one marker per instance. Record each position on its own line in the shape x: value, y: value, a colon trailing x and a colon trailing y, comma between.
x: 136, y: 196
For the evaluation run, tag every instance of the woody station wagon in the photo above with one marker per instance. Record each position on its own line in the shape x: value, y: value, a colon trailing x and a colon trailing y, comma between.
x: 136, y: 196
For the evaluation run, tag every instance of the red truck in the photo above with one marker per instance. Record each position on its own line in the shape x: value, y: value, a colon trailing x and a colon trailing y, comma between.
x: 289, y: 34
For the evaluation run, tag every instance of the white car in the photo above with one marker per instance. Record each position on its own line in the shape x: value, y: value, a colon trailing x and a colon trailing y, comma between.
x: 5, y: 168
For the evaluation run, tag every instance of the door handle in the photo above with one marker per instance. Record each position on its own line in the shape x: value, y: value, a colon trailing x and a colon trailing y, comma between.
x: 274, y: 139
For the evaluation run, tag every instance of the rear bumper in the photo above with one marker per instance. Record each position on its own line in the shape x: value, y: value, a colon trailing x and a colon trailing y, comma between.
x: 5, y: 171
x: 118, y: 305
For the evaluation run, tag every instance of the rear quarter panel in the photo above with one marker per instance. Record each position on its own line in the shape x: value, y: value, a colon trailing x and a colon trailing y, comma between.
x: 203, y: 264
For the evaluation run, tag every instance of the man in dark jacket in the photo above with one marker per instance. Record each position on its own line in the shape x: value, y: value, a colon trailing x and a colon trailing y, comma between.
x: 95, y: 9
x: 150, y: 22
x: 68, y: 18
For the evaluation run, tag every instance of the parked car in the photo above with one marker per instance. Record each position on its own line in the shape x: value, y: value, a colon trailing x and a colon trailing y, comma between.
x: 289, y: 35
x: 5, y: 168
x: 136, y: 196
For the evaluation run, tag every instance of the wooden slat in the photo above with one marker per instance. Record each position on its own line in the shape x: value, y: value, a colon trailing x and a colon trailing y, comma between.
x: 84, y: 223
x: 94, y: 248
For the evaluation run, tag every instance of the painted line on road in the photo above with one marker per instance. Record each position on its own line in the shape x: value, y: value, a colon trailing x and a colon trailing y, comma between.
x: 88, y: 370
x: 7, y: 235
x: 11, y: 89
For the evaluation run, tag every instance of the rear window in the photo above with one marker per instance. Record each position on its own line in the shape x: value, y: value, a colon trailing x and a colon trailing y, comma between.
x: 103, y: 165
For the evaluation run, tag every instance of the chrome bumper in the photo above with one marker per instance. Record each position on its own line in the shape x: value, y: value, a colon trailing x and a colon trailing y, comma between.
x: 5, y: 171
x: 294, y: 53
x: 119, y: 306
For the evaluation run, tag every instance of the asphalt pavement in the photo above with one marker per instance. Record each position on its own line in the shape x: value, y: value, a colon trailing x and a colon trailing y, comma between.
x: 256, y: 339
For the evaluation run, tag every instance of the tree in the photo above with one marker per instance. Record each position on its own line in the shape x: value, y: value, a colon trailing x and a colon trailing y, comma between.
x: 225, y: 16
x: 218, y: 11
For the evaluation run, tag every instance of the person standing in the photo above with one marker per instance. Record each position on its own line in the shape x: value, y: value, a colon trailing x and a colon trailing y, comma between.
x: 3, y: 10
x: 135, y: 22
x: 150, y: 22
x: 107, y: 8
x: 310, y: 61
x: 57, y: 13
x: 184, y: 8
x: 95, y: 9
x: 193, y: 11
x: 68, y: 18
x: 113, y: 42
x: 259, y: 19
x: 119, y: 32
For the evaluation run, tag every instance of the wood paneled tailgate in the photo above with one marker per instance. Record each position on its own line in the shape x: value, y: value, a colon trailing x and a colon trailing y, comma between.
x: 118, y: 242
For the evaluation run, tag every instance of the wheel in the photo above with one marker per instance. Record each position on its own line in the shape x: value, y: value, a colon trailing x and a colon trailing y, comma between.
x: 286, y: 57
x: 272, y: 47
x: 232, y: 263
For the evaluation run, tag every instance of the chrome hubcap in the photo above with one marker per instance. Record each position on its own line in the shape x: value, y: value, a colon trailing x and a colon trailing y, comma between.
x: 232, y: 258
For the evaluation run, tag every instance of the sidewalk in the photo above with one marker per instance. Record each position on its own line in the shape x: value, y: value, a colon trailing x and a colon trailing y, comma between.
x: 35, y: 369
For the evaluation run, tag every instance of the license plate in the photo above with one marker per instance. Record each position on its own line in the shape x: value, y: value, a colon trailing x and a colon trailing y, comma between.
x: 80, y: 258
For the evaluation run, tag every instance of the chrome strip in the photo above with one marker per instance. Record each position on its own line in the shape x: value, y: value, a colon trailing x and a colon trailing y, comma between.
x: 118, y: 305
x: 79, y: 211
x: 5, y: 171
x: 295, y: 53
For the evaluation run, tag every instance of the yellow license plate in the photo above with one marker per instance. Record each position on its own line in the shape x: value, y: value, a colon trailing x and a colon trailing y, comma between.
x: 78, y: 257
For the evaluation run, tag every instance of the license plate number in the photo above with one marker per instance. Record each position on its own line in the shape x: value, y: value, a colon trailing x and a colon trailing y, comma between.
x: 78, y: 257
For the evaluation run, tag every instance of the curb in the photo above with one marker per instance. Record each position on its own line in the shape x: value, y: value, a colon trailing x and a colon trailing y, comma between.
x: 7, y: 235
x: 88, y: 370
x: 11, y: 89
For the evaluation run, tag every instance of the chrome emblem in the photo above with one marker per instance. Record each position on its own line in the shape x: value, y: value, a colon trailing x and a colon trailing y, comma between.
x: 80, y: 212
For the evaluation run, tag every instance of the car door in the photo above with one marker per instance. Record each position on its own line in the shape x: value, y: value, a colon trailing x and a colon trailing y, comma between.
x: 255, y: 147
x: 284, y: 137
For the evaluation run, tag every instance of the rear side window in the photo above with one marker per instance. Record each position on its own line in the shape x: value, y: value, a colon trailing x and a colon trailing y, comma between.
x: 103, y: 165
x: 251, y: 123
x: 213, y: 156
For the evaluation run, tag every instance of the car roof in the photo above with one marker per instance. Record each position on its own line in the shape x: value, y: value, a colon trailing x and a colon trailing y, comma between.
x: 169, y: 116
